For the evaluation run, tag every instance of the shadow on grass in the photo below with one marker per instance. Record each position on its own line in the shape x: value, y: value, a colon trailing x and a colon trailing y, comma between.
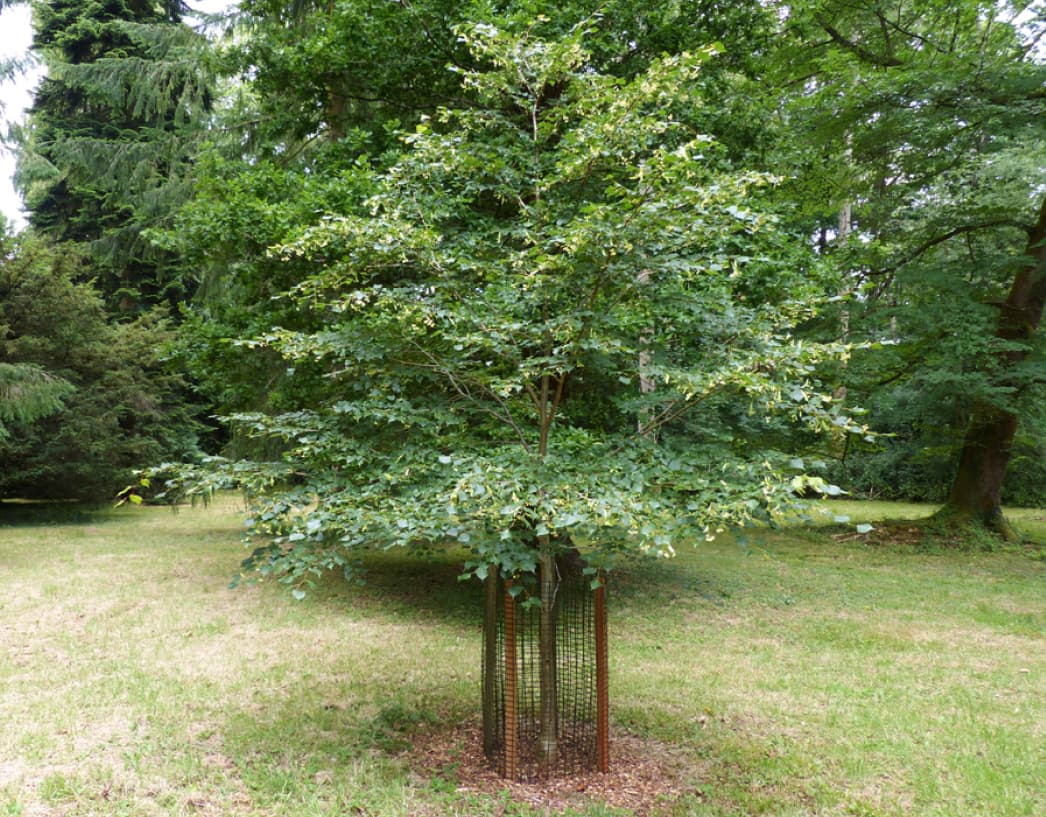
x: 20, y: 513
x: 409, y: 588
x: 300, y: 727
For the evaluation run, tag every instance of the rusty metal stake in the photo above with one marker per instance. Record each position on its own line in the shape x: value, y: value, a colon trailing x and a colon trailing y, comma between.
x: 490, y: 661
x: 511, y: 699
x: 602, y: 682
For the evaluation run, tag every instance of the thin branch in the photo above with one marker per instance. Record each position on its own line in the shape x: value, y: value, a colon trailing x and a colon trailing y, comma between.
x: 460, y: 385
x: 883, y: 27
x: 533, y: 395
x: 896, y: 26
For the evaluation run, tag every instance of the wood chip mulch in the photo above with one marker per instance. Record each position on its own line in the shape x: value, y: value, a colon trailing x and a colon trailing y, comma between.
x: 645, y: 776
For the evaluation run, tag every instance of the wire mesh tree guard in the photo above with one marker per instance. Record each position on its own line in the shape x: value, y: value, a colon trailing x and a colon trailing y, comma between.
x: 545, y: 700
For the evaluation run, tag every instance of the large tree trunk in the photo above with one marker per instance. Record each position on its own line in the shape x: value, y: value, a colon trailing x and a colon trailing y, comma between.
x: 974, y: 495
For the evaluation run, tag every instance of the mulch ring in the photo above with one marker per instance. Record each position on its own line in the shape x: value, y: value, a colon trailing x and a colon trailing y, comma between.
x: 645, y: 776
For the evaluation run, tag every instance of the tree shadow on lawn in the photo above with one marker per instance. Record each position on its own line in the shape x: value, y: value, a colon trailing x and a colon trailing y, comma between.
x: 24, y: 513
x: 315, y: 722
x: 407, y: 587
x: 410, y: 588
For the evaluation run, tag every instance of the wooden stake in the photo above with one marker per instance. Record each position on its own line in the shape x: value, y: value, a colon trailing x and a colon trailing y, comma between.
x: 511, y: 696
x: 602, y: 683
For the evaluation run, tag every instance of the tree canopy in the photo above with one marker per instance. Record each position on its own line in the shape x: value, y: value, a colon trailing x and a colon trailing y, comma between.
x: 853, y: 173
x: 480, y: 313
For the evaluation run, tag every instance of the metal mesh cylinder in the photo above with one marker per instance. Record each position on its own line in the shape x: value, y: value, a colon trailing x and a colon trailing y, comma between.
x: 512, y: 687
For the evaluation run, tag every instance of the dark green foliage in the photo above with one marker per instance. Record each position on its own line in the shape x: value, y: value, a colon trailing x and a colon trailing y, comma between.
x: 465, y: 327
x: 921, y: 122
x: 319, y: 70
x: 28, y: 392
x: 103, y: 157
x: 123, y: 409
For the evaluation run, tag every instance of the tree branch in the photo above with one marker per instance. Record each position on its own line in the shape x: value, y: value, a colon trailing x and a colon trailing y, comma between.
x: 929, y: 244
x: 859, y: 50
x: 460, y: 385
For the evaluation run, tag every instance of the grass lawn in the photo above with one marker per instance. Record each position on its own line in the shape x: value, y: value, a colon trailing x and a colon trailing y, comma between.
x: 802, y: 676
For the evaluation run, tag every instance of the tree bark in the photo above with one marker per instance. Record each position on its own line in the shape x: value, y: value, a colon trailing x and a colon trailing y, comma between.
x: 336, y: 106
x: 985, y: 455
x: 646, y: 359
x: 548, y: 735
x: 492, y: 586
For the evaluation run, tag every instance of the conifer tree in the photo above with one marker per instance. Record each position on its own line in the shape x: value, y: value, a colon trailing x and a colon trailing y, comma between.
x: 104, y: 155
x: 27, y: 392
x: 83, y: 400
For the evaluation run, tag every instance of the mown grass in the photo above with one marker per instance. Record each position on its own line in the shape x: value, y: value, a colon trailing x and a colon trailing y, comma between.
x: 799, y: 676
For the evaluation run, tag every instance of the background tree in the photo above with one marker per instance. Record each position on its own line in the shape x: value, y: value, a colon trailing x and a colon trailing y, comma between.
x: 83, y: 401
x: 280, y: 153
x: 104, y: 156
x: 926, y: 119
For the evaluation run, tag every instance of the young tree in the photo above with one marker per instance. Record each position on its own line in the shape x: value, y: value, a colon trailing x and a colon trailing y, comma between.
x: 482, y: 305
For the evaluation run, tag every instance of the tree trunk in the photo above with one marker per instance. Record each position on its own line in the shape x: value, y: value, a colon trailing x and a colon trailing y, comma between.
x: 492, y: 586
x: 974, y: 495
x: 336, y: 102
x: 646, y: 359
x: 845, y: 225
x: 548, y: 734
